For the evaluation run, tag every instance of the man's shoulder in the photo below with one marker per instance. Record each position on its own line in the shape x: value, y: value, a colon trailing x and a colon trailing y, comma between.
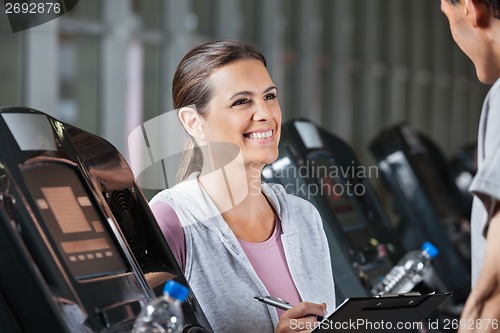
x: 495, y: 88
x: 492, y: 106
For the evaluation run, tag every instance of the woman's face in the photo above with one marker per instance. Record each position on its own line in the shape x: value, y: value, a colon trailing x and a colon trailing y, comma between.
x: 244, y: 111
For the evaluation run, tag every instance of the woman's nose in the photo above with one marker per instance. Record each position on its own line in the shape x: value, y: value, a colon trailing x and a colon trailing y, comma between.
x: 262, y: 112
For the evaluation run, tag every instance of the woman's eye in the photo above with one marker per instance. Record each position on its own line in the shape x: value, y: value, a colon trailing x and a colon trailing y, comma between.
x: 271, y: 96
x: 241, y: 102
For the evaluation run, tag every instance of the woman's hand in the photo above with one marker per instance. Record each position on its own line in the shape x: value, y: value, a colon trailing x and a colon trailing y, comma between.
x: 301, y: 318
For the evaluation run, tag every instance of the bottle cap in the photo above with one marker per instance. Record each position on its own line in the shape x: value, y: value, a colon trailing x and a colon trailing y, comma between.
x: 176, y: 290
x: 430, y: 249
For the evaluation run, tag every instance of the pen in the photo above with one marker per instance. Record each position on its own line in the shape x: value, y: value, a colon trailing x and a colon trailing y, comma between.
x: 275, y: 301
x: 279, y: 303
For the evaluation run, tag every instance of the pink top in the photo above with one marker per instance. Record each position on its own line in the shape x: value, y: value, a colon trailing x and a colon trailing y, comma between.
x: 267, y: 258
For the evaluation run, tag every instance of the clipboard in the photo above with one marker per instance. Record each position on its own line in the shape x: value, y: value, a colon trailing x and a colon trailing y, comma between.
x: 395, y: 313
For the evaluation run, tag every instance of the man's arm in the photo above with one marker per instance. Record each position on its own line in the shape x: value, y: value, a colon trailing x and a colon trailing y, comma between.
x: 482, y: 309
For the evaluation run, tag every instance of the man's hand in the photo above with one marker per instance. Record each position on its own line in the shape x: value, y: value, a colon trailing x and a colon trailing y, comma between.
x: 482, y: 309
x: 300, y: 318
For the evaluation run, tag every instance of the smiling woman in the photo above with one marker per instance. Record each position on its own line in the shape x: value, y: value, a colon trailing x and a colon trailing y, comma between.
x: 197, y: 80
x: 234, y: 236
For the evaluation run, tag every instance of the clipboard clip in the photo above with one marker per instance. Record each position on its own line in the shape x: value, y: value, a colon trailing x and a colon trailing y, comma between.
x: 411, y: 293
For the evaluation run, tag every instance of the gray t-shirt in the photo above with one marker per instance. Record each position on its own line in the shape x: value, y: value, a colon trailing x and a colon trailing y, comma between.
x: 486, y: 183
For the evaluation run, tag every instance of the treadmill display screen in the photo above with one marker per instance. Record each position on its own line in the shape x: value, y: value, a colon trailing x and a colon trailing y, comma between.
x: 73, y: 221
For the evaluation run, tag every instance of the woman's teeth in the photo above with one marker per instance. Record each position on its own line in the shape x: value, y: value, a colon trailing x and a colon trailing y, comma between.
x: 259, y: 135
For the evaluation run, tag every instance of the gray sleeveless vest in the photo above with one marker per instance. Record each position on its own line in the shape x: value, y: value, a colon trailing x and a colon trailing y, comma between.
x: 219, y: 273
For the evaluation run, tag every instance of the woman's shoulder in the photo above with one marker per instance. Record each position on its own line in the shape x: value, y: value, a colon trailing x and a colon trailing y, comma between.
x: 161, y: 197
x: 175, y: 193
x: 171, y: 228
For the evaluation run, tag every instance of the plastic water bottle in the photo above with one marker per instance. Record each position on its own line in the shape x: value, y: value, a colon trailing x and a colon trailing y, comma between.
x: 409, y: 271
x: 163, y: 314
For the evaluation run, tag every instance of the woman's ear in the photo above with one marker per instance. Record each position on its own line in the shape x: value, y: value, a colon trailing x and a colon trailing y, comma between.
x: 191, y: 121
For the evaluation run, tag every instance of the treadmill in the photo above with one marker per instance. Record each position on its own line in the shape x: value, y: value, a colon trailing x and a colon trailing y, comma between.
x: 80, y: 249
x: 416, y: 173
